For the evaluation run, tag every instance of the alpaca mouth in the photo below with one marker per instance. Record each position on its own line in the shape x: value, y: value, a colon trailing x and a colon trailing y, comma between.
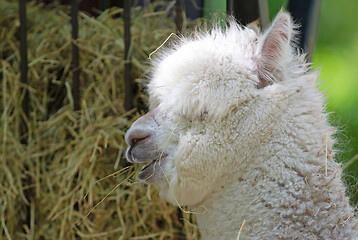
x: 142, y: 154
x: 150, y: 160
x: 150, y: 170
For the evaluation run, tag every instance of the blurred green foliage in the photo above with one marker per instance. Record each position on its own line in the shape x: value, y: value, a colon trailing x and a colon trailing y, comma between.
x: 336, y: 55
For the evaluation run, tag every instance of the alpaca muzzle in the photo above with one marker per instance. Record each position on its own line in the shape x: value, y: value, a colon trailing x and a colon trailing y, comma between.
x: 141, y: 138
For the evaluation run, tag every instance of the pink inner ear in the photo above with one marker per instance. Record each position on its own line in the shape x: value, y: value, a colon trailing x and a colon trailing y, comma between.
x: 273, y: 48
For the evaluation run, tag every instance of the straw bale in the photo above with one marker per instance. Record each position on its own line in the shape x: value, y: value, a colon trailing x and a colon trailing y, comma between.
x: 53, y: 181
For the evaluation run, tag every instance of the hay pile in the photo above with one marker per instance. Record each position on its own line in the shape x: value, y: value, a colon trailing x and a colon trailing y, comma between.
x: 52, y: 182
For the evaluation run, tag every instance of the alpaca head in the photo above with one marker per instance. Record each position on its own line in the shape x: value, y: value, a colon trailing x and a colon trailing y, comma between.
x: 211, y: 98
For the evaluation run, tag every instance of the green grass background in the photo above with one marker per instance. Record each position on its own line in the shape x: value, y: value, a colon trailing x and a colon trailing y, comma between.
x: 336, y: 55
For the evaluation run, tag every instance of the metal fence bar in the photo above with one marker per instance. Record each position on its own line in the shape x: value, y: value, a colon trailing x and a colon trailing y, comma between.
x: 247, y: 11
x: 23, y: 70
x: 193, y: 8
x: 75, y: 57
x: 179, y: 24
x: 26, y: 181
x: 103, y: 5
x: 307, y: 13
x: 264, y: 14
x: 128, y: 85
x: 179, y: 15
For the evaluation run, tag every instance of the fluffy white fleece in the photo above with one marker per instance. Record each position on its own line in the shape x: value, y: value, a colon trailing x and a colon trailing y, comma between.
x: 239, y: 126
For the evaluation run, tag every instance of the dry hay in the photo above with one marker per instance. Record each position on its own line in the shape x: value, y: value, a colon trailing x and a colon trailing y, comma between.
x: 52, y: 182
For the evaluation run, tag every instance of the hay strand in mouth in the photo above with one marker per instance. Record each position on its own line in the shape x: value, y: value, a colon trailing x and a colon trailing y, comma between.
x: 91, y: 210
x: 121, y: 171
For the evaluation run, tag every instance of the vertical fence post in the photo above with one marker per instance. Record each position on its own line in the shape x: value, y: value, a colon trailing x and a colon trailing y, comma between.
x: 75, y: 57
x: 128, y: 85
x: 23, y: 70
x: 307, y: 13
x: 102, y: 5
x: 246, y: 11
x: 26, y: 181
x: 179, y: 25
x: 264, y: 14
x: 179, y: 15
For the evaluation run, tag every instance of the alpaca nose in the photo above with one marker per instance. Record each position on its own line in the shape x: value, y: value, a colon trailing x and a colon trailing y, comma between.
x: 142, y: 129
x: 141, y: 138
x: 137, y: 135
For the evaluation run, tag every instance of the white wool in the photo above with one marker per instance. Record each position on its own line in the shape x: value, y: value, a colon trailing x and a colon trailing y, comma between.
x: 205, y: 63
x: 250, y: 137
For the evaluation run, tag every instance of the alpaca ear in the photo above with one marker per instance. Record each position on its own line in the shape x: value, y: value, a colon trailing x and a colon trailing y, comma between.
x: 274, y: 48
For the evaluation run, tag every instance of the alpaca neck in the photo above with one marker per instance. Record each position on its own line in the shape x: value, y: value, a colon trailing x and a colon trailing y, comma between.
x: 287, y: 195
x: 223, y: 215
x: 283, y: 182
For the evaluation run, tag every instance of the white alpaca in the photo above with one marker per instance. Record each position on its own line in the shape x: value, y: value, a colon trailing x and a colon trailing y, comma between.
x: 237, y: 124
